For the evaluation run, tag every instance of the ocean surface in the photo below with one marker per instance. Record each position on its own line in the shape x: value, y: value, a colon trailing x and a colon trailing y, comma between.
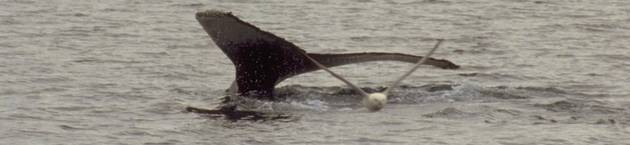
x: 122, y: 71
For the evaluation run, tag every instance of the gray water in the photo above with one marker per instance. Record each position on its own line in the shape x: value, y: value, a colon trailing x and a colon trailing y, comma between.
x: 121, y: 72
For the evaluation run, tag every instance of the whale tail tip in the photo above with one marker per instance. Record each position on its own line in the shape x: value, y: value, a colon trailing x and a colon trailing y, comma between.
x: 213, y: 13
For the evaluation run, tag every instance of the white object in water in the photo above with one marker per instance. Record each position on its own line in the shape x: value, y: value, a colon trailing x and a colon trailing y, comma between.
x: 375, y: 101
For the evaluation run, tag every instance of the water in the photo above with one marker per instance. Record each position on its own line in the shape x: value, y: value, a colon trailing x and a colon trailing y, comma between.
x: 121, y: 72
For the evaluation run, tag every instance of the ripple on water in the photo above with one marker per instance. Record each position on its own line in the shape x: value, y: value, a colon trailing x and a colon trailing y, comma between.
x: 581, y: 106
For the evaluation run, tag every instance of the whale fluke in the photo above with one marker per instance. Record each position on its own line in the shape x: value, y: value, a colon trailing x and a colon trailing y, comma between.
x: 331, y: 60
x: 263, y: 59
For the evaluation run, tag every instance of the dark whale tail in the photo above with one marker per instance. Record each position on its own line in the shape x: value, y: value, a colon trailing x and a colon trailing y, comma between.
x: 331, y: 60
x: 263, y: 59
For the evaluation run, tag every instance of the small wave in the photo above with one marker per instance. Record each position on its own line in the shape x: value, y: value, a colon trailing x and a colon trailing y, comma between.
x: 543, y: 89
x: 73, y: 128
x: 189, y: 5
x: 102, y: 61
x: 580, y: 106
x: 449, y: 112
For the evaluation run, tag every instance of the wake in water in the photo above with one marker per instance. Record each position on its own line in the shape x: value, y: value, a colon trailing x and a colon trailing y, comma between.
x: 490, y: 104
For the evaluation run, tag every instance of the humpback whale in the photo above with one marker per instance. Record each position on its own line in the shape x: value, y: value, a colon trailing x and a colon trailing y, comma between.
x: 262, y: 59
